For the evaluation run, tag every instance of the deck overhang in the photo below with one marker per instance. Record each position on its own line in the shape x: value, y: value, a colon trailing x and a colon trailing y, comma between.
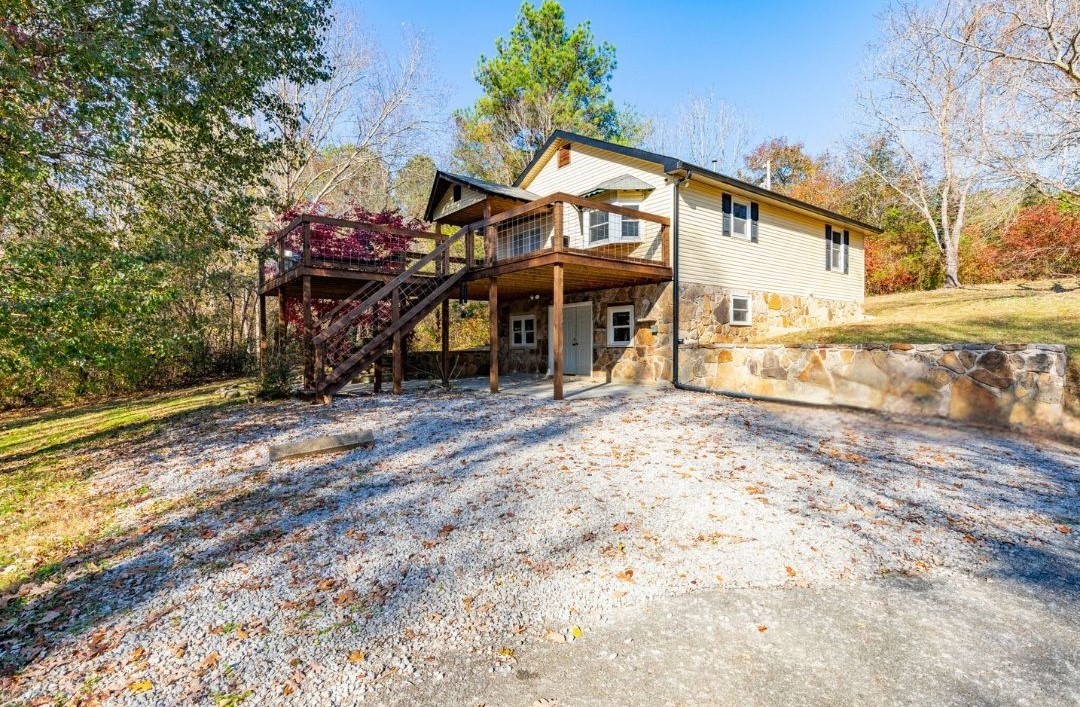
x: 525, y: 276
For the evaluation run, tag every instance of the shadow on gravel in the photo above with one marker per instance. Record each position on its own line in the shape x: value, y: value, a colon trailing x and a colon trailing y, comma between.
x: 988, y: 470
x: 130, y: 571
x: 290, y: 500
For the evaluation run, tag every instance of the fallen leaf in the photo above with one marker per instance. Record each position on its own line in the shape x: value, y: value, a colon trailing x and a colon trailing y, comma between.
x: 575, y: 631
x: 506, y: 652
x: 356, y: 657
x: 554, y: 637
x: 446, y: 530
x: 467, y: 602
x: 1064, y: 529
x: 136, y: 655
x: 620, y: 527
x: 791, y: 572
x: 143, y: 685
x: 208, y: 662
x: 762, y: 628
x: 346, y: 597
x: 326, y: 584
x: 627, y: 575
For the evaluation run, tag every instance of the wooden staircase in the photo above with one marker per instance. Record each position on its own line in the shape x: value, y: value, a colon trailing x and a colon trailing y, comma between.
x: 361, y: 328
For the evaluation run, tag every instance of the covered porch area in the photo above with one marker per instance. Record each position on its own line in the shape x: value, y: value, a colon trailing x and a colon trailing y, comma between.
x: 546, y: 249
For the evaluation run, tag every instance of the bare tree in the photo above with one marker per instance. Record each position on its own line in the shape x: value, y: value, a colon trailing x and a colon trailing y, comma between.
x: 704, y: 128
x: 933, y: 103
x: 359, y: 125
x: 1034, y: 47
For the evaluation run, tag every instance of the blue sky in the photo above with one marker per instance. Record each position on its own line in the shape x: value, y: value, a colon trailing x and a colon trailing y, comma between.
x: 791, y: 67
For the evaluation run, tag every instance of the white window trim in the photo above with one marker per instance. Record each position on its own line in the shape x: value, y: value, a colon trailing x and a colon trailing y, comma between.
x: 614, y: 224
x: 611, y: 312
x: 749, y: 310
x: 836, y: 242
x: 523, y: 318
x: 748, y: 221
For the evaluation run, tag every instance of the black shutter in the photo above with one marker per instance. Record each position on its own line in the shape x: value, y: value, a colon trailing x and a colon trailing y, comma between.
x: 845, y: 251
x: 753, y: 221
x: 828, y: 247
x: 727, y: 214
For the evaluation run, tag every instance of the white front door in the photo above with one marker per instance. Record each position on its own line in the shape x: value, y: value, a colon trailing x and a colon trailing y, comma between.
x: 577, y: 339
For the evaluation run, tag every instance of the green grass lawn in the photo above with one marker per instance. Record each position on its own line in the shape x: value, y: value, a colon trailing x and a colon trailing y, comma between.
x: 47, y: 459
x: 1044, y: 312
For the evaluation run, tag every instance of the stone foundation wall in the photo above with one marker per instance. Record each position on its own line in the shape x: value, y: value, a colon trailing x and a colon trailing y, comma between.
x: 704, y: 309
x: 1005, y: 384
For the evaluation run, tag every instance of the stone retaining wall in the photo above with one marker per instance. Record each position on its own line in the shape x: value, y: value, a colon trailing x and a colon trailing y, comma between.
x: 1004, y: 384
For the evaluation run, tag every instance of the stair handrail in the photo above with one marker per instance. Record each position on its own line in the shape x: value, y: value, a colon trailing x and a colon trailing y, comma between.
x: 380, y: 294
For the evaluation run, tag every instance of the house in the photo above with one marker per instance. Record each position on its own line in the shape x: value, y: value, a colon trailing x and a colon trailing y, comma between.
x: 580, y: 260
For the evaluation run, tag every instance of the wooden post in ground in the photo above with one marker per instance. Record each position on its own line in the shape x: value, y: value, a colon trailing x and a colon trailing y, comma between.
x: 262, y: 332
x: 377, y: 376
x: 280, y: 341
x: 399, y: 354
x: 493, y: 332
x: 444, y: 320
x: 308, y: 334
x: 557, y: 329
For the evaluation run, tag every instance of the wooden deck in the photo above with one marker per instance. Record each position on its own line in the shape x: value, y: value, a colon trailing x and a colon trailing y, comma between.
x: 552, y: 246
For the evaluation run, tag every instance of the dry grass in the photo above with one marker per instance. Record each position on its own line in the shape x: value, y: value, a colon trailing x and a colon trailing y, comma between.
x: 47, y: 460
x: 1042, y: 312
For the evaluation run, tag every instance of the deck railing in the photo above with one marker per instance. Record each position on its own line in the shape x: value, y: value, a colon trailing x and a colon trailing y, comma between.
x: 565, y: 223
x: 337, y: 244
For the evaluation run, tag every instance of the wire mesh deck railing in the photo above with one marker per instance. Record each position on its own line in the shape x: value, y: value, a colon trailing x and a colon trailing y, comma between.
x: 562, y: 222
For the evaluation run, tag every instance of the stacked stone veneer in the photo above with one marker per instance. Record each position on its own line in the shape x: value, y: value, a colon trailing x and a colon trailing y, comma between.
x: 704, y: 311
x: 1013, y: 384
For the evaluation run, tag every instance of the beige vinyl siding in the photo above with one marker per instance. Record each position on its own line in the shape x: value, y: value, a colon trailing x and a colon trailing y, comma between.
x: 447, y: 205
x: 789, y: 257
x: 589, y: 167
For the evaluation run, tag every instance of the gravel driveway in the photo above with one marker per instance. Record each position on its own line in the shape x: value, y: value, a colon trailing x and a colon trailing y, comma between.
x: 480, y: 528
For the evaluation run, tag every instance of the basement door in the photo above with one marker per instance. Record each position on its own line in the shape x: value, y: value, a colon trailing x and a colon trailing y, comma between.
x: 577, y: 340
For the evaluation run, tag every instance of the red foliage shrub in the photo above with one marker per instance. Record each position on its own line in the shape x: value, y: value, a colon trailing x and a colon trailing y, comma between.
x: 1043, y: 241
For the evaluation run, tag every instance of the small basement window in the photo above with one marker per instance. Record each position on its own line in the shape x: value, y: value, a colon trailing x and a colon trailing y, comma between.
x: 523, y: 332
x: 741, y: 312
x: 620, y: 325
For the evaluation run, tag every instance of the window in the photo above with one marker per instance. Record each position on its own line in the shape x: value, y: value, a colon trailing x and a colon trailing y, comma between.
x: 521, y: 237
x: 620, y: 325
x: 598, y: 226
x: 740, y: 219
x: 605, y: 227
x: 836, y: 250
x: 457, y: 192
x: 523, y: 332
x: 740, y: 313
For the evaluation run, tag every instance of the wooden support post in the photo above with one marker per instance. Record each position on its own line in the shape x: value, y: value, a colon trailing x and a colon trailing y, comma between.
x: 470, y: 248
x: 493, y: 332
x: 305, y: 234
x: 557, y: 231
x: 444, y: 361
x: 262, y: 330
x: 490, y: 237
x: 280, y: 339
x: 444, y: 318
x: 557, y: 329
x: 399, y: 354
x: 377, y: 376
x: 308, y: 334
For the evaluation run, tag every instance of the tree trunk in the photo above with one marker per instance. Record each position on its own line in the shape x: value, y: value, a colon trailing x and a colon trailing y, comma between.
x: 952, y: 265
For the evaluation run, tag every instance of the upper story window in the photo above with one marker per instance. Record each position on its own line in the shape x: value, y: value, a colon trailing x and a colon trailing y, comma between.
x: 605, y: 227
x: 457, y: 192
x: 740, y: 217
x: 836, y: 249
